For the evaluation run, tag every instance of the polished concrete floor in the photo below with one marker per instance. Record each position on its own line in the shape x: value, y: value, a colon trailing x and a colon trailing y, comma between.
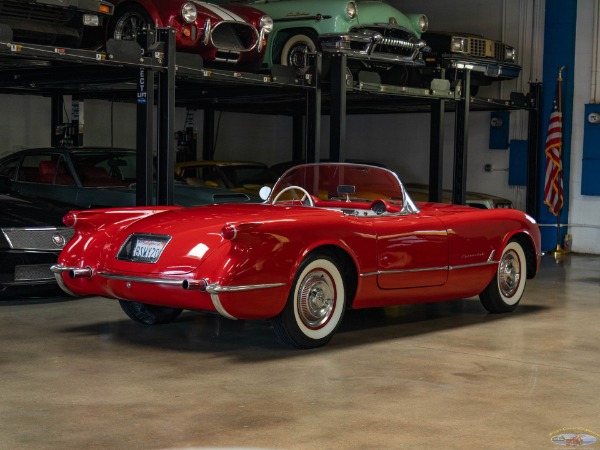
x: 77, y: 374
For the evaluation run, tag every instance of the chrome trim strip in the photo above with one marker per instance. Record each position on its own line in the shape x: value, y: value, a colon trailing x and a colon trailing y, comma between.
x: 216, y: 288
x: 467, y: 266
x: 167, y: 282
x: 429, y: 269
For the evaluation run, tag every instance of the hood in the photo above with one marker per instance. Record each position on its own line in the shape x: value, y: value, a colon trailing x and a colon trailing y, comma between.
x: 16, y: 212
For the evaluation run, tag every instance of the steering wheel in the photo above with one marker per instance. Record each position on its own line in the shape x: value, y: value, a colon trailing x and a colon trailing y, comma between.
x: 306, y: 196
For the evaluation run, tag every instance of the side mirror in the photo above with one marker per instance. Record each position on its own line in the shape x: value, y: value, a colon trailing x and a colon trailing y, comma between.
x: 264, y: 192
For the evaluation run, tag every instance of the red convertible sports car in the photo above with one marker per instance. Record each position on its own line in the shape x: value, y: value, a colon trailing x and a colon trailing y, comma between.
x: 226, y: 34
x: 328, y: 237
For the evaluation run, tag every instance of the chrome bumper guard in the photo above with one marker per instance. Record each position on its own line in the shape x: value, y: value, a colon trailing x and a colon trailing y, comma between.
x: 492, y: 69
x: 365, y: 44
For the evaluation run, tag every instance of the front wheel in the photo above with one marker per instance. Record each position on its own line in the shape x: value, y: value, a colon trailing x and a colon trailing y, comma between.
x: 504, y: 292
x: 129, y: 22
x: 295, y: 49
x: 149, y: 314
x: 316, y: 303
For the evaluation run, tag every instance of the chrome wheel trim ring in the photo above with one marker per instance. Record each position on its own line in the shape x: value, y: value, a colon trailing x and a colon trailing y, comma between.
x: 509, y: 274
x: 316, y: 299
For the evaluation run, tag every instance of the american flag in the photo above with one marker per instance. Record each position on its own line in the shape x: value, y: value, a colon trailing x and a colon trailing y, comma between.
x: 553, y: 184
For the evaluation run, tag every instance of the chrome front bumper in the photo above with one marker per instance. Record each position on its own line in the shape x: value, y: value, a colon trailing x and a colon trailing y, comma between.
x: 492, y: 69
x: 368, y: 44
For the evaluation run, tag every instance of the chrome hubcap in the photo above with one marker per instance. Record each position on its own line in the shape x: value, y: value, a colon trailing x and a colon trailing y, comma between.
x: 509, y: 273
x: 316, y: 299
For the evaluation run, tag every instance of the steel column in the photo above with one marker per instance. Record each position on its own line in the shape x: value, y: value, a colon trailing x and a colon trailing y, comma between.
x: 56, y: 119
x: 534, y: 126
x: 436, y: 150
x: 313, y: 110
x: 144, y: 134
x: 208, y: 134
x: 166, y: 114
x: 337, y: 124
x: 461, y: 142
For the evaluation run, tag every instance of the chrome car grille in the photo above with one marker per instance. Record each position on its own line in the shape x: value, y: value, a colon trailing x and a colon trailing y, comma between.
x: 234, y: 36
x: 33, y: 272
x: 34, y: 12
x: 396, y: 41
x: 44, y: 239
x: 486, y: 48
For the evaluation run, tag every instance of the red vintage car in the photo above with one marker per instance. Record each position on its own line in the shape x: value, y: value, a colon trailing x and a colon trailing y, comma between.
x: 329, y: 237
x: 224, y: 35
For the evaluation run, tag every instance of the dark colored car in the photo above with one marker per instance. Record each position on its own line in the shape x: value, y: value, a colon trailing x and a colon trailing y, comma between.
x: 92, y: 177
x: 221, y: 34
x: 52, y: 22
x: 488, y: 59
x: 31, y: 237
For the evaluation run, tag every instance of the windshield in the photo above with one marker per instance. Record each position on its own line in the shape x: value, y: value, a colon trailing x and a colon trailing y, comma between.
x: 348, y: 182
x: 105, y: 168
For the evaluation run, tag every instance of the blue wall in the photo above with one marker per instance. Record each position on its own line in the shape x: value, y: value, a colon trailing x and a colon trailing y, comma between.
x: 559, y: 50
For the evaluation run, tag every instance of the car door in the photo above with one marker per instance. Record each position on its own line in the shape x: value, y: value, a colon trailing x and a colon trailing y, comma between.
x: 412, y: 251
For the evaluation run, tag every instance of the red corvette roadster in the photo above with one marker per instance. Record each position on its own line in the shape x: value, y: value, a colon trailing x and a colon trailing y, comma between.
x: 328, y: 237
x: 222, y: 34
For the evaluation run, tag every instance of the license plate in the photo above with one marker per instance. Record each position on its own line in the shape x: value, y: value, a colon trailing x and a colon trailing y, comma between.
x: 143, y: 248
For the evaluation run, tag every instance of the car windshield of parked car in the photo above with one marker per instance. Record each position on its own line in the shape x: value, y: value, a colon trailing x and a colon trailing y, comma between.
x: 240, y: 175
x: 105, y: 168
x: 351, y: 182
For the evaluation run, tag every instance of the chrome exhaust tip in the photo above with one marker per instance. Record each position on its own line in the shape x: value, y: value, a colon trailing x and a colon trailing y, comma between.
x: 86, y: 272
x: 197, y: 285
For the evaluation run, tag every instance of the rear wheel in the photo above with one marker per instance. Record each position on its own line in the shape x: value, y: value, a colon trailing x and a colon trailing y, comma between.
x: 316, y: 303
x: 504, y: 292
x: 149, y: 314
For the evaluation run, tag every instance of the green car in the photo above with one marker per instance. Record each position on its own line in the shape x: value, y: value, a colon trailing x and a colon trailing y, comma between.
x: 373, y: 34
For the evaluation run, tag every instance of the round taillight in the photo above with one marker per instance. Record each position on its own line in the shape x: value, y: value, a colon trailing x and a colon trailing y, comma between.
x: 69, y: 219
x: 229, y: 232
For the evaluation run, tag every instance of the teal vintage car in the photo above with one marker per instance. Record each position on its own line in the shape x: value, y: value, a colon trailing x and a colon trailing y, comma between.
x: 372, y: 33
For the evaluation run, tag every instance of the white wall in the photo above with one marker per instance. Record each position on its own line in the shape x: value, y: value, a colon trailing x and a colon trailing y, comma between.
x: 584, y: 211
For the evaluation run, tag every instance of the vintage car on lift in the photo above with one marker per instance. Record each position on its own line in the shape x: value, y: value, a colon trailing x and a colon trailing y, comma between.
x: 94, y: 177
x: 227, y: 35
x: 374, y: 34
x: 329, y: 237
x: 237, y: 176
x: 31, y: 237
x: 51, y: 22
x: 489, y: 60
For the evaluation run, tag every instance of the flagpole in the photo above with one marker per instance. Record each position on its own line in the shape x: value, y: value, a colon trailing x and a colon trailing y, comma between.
x: 559, y: 252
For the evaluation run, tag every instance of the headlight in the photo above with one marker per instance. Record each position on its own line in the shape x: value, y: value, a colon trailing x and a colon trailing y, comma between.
x: 423, y: 23
x: 189, y: 12
x: 459, y: 44
x: 351, y: 10
x: 266, y: 23
x: 510, y: 54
